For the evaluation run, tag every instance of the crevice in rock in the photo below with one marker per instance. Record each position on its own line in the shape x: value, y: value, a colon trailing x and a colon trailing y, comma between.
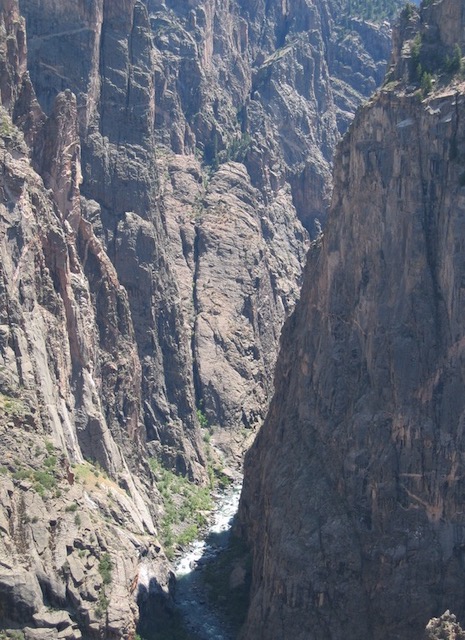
x: 195, y: 364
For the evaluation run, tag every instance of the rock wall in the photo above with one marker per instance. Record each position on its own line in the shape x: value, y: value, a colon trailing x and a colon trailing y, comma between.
x: 352, y: 500
x: 77, y: 543
x: 171, y: 98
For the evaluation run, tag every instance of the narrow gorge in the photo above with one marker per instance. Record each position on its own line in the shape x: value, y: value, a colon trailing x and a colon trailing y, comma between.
x: 165, y: 166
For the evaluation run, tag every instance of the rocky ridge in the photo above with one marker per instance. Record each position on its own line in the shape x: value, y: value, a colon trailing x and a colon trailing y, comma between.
x: 352, y: 500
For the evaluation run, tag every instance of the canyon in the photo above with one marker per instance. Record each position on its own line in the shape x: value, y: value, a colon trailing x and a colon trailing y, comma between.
x: 164, y: 168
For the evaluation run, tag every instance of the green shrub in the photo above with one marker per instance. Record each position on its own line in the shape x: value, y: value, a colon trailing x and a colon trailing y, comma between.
x: 376, y: 10
x: 105, y: 568
x: 21, y: 474
x: 50, y: 462
x: 202, y: 418
x: 185, y: 505
x: 45, y: 479
x: 426, y: 83
x: 454, y: 64
x: 11, y: 405
x: 188, y: 535
x: 15, y: 634
x: 49, y: 446
x: 102, y: 604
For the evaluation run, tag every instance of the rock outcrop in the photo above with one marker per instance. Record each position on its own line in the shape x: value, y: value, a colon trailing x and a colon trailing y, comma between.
x: 353, y: 493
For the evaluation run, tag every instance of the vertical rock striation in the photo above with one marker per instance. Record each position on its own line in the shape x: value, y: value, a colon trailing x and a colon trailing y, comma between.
x: 169, y: 96
x: 70, y: 388
x: 353, y: 492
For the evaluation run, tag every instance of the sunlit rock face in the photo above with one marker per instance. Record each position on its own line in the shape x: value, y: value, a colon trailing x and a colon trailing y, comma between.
x: 171, y: 98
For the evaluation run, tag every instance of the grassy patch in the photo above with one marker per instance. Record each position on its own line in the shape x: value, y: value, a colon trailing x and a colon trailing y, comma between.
x: 11, y: 406
x: 21, y: 474
x: 50, y: 462
x: 44, y: 481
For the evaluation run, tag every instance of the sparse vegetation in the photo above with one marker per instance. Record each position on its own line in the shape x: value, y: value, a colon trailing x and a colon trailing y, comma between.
x: 102, y: 604
x: 454, y: 64
x: 375, y: 10
x: 409, y: 10
x: 188, y: 535
x: 202, y: 418
x: 185, y: 507
x: 237, y: 149
x: 105, y: 568
x: 44, y: 480
x: 428, y: 65
x: 50, y: 462
x: 426, y: 83
x: 21, y: 474
x: 11, y: 405
x: 49, y: 447
x: 8, y: 130
x: 12, y: 634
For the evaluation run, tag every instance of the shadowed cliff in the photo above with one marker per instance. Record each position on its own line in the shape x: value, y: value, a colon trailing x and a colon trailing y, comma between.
x: 353, y: 493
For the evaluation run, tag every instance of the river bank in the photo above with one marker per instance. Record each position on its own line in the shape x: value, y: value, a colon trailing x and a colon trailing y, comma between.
x: 200, y: 593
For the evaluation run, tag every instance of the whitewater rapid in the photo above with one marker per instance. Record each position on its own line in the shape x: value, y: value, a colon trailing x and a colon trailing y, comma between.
x: 190, y: 597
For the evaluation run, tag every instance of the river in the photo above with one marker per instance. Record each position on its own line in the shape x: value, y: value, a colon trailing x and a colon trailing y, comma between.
x: 200, y: 617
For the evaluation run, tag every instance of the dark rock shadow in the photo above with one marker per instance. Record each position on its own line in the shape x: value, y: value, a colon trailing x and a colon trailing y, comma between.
x: 158, y: 616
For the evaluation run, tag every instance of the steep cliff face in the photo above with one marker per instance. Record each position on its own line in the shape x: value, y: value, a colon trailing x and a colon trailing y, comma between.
x: 113, y: 82
x: 70, y: 389
x: 169, y: 96
x: 353, y: 491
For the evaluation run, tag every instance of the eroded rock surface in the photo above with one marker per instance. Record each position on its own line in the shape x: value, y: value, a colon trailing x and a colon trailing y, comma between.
x: 352, y: 498
x: 70, y: 388
x: 168, y: 96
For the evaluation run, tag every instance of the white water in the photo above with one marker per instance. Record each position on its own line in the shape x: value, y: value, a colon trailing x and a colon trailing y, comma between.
x: 190, y: 597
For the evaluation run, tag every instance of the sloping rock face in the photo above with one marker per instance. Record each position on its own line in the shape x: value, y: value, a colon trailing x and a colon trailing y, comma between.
x: 171, y: 98
x: 353, y: 492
